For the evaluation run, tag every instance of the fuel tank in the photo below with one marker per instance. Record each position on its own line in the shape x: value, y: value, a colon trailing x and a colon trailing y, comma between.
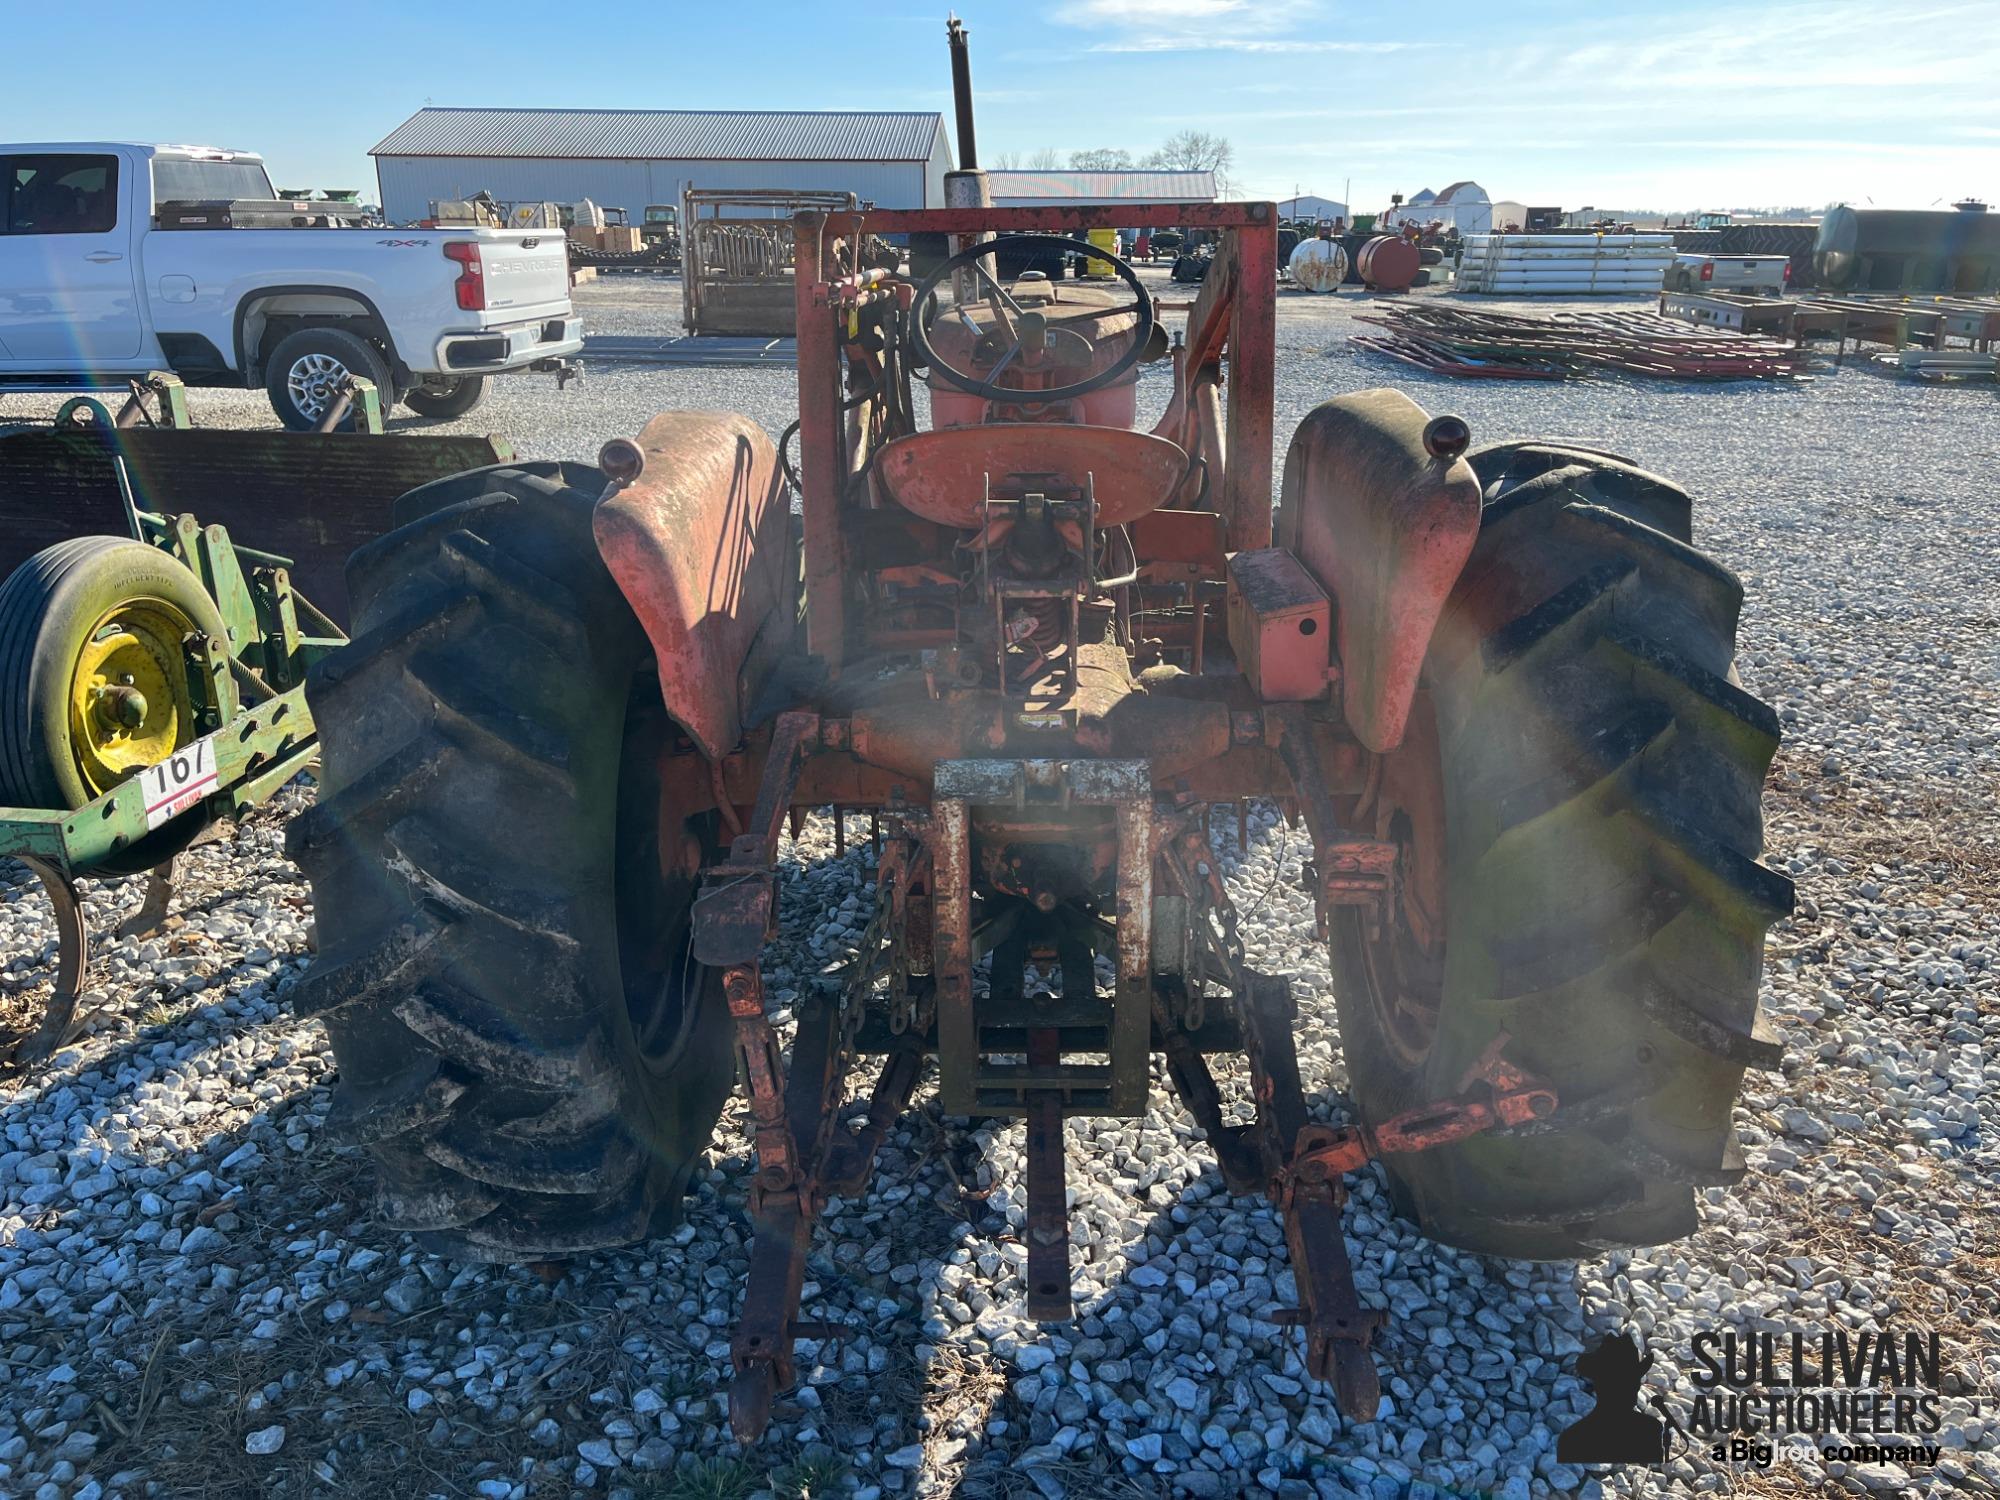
x: 1954, y: 251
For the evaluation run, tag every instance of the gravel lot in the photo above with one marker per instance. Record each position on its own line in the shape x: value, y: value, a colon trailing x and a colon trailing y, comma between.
x: 193, y: 1299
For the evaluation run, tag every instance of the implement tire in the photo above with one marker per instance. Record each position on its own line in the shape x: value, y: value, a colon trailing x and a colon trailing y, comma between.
x: 502, y: 968
x: 92, y: 613
x: 1578, y: 805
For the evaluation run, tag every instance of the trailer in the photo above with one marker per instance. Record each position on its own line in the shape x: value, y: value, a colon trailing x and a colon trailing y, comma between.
x: 736, y: 276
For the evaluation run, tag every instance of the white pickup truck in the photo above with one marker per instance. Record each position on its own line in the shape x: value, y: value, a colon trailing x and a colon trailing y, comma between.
x: 1699, y: 271
x: 117, y: 259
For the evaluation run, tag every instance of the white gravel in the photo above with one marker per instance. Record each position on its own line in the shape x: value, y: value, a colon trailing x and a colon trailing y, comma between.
x: 192, y: 1298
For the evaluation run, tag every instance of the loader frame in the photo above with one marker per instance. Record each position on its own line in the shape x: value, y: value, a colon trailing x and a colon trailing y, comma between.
x: 1236, y: 310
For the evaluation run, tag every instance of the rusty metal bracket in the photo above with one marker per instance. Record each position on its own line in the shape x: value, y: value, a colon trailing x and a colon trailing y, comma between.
x: 958, y: 786
x: 793, y: 737
x: 1492, y: 1093
x: 850, y: 1158
x: 1244, y: 1170
x: 1308, y: 1192
x: 1352, y: 872
x: 1344, y: 870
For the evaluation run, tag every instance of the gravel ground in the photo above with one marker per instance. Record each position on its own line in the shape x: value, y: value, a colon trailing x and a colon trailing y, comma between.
x: 193, y: 1299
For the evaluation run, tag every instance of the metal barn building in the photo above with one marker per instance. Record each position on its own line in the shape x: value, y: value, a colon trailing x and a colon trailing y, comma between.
x: 1463, y: 206
x: 1046, y: 189
x: 628, y: 158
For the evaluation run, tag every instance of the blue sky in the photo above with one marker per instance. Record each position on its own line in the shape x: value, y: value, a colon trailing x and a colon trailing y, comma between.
x: 1666, y: 103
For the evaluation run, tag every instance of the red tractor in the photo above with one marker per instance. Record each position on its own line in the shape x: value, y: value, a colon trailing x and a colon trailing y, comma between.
x: 1038, y: 644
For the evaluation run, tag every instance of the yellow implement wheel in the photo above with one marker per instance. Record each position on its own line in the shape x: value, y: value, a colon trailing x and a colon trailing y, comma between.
x: 129, y: 704
x: 97, y: 678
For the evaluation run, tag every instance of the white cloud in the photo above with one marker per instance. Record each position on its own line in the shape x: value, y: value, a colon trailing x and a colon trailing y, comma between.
x: 1247, y: 44
x: 1859, y: 45
x: 1154, y: 12
x: 1248, y: 26
x: 1748, y: 101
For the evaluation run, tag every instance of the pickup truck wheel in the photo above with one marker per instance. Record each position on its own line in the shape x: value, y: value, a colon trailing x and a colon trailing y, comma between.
x: 447, y: 398
x: 1683, y: 282
x: 304, y: 372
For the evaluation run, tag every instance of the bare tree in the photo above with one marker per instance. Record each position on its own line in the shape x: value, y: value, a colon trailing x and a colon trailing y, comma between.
x: 1197, y: 151
x: 1007, y: 161
x: 1103, y: 159
x: 1045, y: 160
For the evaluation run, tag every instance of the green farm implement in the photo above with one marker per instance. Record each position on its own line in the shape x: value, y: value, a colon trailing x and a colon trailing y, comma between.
x: 151, y: 664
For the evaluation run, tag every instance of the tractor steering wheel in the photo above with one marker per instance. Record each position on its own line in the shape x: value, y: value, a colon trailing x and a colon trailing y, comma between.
x: 925, y: 309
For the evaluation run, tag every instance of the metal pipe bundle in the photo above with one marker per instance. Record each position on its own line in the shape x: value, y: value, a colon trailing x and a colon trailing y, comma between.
x: 1944, y: 364
x: 1549, y: 265
x: 1520, y: 346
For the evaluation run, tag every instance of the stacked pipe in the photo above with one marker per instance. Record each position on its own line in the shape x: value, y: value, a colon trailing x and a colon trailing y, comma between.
x: 1562, y: 265
x: 1944, y: 364
x: 1519, y: 346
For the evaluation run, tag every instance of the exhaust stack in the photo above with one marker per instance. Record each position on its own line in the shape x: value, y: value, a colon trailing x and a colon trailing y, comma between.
x: 961, y: 93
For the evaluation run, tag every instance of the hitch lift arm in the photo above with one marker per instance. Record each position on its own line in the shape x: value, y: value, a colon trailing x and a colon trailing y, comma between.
x: 803, y: 1157
x: 1303, y: 1165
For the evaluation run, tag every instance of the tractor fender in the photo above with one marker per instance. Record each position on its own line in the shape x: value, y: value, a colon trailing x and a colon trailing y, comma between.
x: 697, y: 545
x: 1385, y: 524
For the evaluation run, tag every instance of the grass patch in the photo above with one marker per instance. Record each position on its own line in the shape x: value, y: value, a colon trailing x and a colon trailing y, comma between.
x: 810, y: 1478
x: 706, y: 1479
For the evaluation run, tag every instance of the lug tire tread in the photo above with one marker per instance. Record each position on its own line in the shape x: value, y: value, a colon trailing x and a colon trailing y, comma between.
x: 1603, y: 773
x: 469, y: 978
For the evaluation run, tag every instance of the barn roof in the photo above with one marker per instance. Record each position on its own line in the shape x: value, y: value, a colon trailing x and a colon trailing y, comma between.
x: 667, y: 134
x: 1134, y: 186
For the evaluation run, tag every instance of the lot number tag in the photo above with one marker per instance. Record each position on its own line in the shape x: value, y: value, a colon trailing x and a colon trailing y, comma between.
x: 179, y: 781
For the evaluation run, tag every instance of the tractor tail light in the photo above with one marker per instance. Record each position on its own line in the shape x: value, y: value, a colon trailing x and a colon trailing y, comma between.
x: 1788, y: 273
x: 1707, y: 273
x: 471, y: 283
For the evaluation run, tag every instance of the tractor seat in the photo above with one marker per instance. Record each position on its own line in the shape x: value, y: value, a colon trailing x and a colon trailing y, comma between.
x: 942, y: 475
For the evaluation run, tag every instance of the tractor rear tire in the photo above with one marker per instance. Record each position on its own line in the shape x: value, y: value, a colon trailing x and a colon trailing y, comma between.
x: 1579, y: 803
x: 1607, y: 479
x: 523, y: 1044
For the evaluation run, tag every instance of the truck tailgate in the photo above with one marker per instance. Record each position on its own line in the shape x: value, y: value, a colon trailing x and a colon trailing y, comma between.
x: 1750, y: 271
x: 527, y: 273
